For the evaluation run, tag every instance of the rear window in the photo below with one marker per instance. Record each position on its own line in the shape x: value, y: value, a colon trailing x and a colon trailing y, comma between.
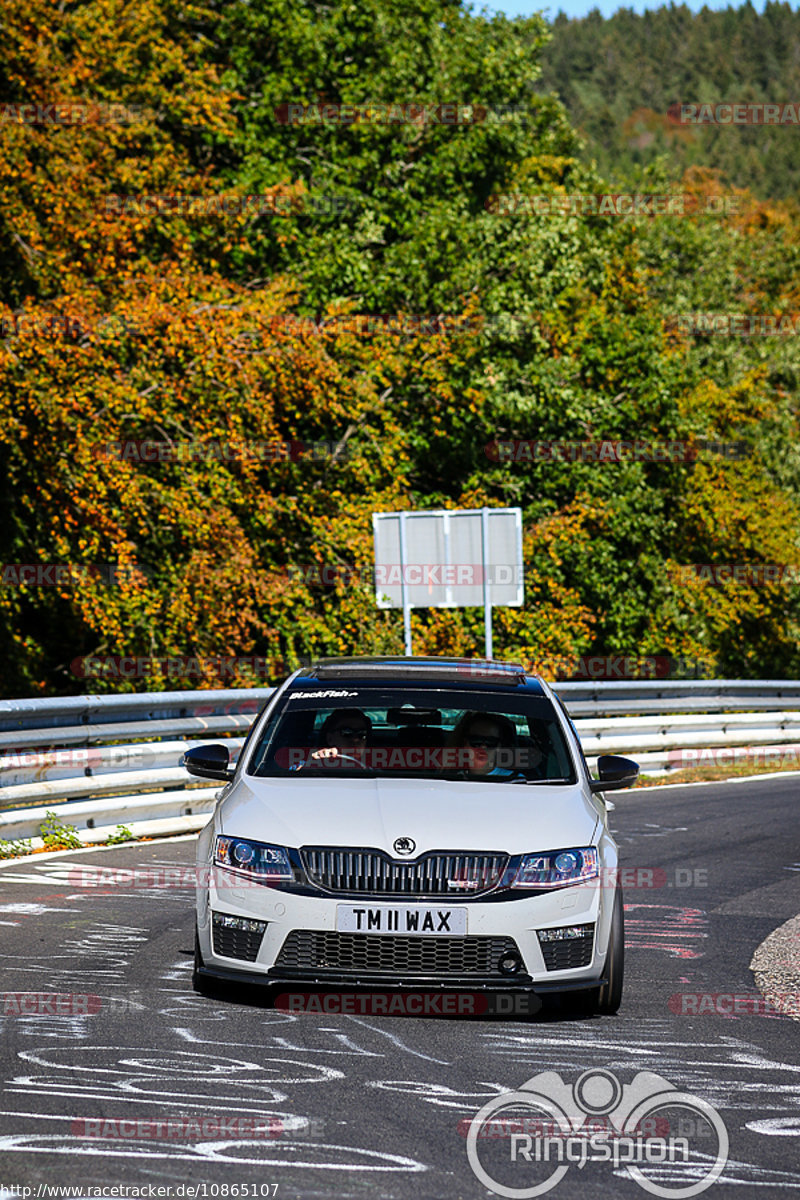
x: 352, y: 730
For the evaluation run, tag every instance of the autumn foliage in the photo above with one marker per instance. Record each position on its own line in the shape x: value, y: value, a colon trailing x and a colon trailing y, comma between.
x: 145, y: 303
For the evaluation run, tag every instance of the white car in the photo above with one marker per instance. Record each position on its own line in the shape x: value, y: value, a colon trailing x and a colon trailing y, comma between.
x: 411, y: 823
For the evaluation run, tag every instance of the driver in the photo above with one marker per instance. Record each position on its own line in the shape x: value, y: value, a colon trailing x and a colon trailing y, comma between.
x: 345, y: 734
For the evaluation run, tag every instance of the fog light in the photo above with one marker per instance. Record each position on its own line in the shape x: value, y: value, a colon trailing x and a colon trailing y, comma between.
x: 564, y: 933
x: 244, y: 924
x: 510, y: 963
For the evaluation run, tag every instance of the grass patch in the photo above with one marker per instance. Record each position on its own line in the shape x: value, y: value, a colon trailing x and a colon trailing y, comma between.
x: 123, y: 834
x: 58, y: 836
x: 708, y: 774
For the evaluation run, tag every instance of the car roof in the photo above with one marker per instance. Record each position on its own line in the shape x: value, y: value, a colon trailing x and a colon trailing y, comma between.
x: 466, y: 672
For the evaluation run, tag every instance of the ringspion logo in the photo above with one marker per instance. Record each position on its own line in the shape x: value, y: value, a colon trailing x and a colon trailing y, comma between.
x: 553, y: 1127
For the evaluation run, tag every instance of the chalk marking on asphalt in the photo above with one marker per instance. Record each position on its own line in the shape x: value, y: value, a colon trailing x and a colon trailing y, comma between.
x: 397, y: 1042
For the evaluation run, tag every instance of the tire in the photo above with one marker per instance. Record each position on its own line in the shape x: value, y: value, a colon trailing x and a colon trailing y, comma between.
x: 201, y: 983
x: 609, y: 995
x: 604, y: 1001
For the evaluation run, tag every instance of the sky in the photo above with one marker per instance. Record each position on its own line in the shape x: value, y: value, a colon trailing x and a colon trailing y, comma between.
x: 580, y: 8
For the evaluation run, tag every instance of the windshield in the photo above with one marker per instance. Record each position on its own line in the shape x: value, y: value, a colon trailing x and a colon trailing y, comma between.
x: 431, y: 733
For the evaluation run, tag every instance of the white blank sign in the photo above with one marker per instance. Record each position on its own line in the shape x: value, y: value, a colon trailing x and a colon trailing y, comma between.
x: 445, y: 559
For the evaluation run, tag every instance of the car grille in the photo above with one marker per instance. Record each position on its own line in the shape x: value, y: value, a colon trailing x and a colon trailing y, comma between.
x: 431, y: 875
x: 320, y: 950
x: 570, y: 951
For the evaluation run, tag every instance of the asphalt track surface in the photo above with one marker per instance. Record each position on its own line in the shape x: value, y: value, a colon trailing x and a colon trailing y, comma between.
x: 137, y: 1093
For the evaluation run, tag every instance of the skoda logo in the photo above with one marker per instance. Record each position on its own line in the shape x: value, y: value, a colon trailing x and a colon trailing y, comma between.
x: 404, y: 845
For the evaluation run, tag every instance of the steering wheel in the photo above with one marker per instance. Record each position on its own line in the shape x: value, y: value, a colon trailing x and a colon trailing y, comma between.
x: 357, y: 761
x: 319, y: 762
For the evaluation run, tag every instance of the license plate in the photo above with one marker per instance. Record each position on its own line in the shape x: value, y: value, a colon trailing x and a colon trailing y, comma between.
x: 405, y: 919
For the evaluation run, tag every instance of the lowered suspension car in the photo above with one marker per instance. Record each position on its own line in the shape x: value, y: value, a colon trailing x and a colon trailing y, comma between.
x: 411, y: 823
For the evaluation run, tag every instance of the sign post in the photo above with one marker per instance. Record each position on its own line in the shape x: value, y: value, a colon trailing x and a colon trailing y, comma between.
x: 404, y: 585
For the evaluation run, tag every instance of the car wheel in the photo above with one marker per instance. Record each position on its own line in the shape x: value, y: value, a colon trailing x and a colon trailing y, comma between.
x: 609, y: 997
x: 605, y: 1000
x: 201, y: 983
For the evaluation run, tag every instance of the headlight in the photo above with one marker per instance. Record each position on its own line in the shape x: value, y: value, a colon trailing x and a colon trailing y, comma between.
x: 556, y: 868
x: 263, y: 863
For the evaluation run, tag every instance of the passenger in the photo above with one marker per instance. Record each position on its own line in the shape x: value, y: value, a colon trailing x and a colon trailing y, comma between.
x: 491, y: 740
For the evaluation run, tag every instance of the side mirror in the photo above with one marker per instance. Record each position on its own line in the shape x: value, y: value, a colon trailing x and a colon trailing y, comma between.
x: 209, y: 762
x: 615, y: 773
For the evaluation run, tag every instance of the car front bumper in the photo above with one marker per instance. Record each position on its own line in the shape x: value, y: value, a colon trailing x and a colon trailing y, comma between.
x: 329, y: 958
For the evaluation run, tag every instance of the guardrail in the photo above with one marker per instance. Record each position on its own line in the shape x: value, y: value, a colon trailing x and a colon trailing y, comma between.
x: 94, y: 761
x: 613, y: 698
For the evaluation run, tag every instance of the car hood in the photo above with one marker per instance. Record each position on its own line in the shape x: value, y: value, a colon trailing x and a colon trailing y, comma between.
x: 436, y: 814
